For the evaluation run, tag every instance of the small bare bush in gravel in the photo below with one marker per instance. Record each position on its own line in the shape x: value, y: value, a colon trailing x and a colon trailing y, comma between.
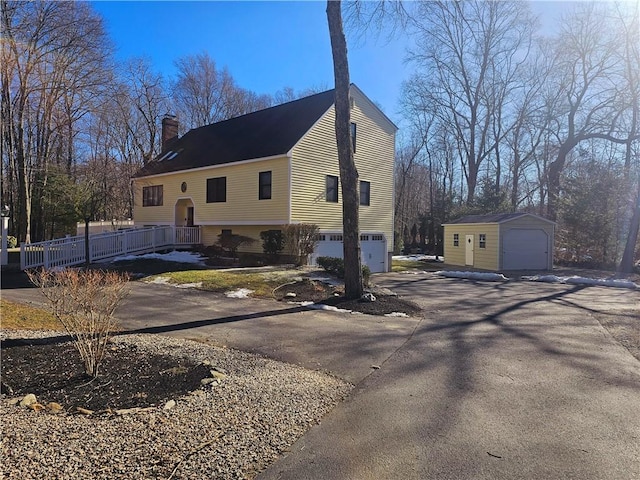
x: 84, y: 302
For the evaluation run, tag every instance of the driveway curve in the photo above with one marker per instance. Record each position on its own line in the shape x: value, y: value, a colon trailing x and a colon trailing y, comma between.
x: 499, y: 381
x: 513, y: 380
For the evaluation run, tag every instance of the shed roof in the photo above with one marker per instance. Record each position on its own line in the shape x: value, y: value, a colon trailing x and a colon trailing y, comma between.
x: 265, y: 133
x: 494, y: 218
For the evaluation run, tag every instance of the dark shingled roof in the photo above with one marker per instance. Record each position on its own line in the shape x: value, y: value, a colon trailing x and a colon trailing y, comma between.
x: 265, y: 133
x: 492, y: 218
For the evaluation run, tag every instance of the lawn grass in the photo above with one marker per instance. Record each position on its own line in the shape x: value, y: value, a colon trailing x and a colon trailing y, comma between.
x: 262, y: 284
x: 16, y: 316
x: 403, y: 265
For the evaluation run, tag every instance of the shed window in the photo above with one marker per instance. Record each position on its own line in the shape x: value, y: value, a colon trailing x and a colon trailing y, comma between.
x: 456, y: 239
x: 332, y: 188
x: 152, y: 196
x: 482, y: 240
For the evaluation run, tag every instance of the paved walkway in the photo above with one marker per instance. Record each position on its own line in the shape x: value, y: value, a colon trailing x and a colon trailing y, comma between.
x: 497, y: 381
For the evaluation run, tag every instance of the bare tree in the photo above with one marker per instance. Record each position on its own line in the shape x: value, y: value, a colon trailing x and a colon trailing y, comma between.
x: 348, y: 172
x: 470, y: 55
x: 54, y: 66
x: 629, y: 33
x: 588, y: 89
x: 142, y: 100
x: 204, y: 94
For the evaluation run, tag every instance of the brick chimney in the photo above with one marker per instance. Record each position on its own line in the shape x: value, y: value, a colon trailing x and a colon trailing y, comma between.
x: 169, y: 131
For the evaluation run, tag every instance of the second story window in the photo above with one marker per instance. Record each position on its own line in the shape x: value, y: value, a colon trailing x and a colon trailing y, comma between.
x: 365, y: 193
x: 216, y: 189
x: 264, y: 185
x: 152, y: 196
x: 332, y: 188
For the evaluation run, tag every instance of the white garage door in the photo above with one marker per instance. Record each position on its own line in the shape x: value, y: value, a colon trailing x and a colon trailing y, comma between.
x: 373, y: 249
x: 525, y: 249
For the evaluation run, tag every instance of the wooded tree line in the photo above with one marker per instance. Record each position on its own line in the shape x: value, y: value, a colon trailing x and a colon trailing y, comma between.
x: 505, y: 118
x: 502, y: 117
x: 76, y: 124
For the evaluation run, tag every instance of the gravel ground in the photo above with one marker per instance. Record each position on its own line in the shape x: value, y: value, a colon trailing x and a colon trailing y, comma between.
x: 231, y: 430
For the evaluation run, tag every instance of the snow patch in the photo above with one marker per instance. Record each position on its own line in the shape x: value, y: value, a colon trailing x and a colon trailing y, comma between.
x: 397, y: 314
x: 175, y: 256
x: 160, y: 281
x: 240, y: 293
x: 328, y: 308
x: 189, y: 285
x: 489, y: 277
x: 416, y: 258
x: 167, y: 281
x: 577, y: 280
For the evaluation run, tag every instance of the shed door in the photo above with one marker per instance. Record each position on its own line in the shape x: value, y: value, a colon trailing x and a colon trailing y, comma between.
x: 468, y: 250
x: 525, y: 249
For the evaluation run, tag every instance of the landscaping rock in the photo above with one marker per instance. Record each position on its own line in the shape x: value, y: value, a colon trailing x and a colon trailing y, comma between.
x: 207, y: 381
x: 169, y: 405
x: 218, y: 375
x: 54, y: 407
x: 28, y: 400
x: 290, y: 295
x: 368, y: 297
x: 84, y: 411
x: 36, y: 407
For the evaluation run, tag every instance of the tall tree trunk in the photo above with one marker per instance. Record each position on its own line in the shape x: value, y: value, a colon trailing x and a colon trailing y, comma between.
x: 626, y: 264
x: 348, y: 172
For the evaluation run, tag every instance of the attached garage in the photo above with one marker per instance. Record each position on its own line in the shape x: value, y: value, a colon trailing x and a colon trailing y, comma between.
x: 373, y: 249
x: 510, y: 241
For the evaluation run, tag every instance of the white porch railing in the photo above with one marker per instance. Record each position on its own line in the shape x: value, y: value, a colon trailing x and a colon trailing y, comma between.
x: 65, y: 252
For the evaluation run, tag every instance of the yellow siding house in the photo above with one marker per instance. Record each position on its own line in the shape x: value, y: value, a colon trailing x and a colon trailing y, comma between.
x: 508, y: 241
x: 274, y: 167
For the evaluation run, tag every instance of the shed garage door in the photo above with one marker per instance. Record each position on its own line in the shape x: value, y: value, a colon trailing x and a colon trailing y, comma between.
x: 525, y: 249
x: 373, y: 249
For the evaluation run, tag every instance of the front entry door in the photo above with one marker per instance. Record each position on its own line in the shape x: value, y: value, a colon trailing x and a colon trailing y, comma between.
x: 189, y: 217
x: 468, y: 250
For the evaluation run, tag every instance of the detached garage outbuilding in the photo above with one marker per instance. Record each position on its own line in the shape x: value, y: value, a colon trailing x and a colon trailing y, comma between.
x: 506, y: 241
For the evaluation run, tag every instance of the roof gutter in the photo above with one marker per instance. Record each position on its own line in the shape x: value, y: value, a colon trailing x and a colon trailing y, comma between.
x: 212, y: 167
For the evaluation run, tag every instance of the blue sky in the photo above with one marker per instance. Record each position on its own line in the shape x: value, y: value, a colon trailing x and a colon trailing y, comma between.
x: 265, y: 45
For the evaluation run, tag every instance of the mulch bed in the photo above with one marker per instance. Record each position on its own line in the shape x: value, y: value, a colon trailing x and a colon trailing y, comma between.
x: 319, y: 292
x: 52, y: 370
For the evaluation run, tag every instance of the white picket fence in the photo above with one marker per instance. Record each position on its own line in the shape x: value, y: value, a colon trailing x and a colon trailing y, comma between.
x: 65, y: 252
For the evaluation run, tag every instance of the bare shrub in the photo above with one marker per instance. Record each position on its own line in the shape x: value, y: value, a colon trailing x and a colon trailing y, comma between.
x: 301, y: 240
x: 232, y: 241
x: 84, y: 302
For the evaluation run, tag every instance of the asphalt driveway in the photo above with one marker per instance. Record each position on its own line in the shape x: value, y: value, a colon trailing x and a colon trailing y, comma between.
x: 496, y: 381
x: 499, y: 381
